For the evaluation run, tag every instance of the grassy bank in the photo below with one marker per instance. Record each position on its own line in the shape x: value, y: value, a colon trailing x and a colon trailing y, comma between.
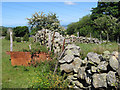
x: 27, y: 77
x: 41, y: 76
x: 97, y: 48
x: 14, y: 77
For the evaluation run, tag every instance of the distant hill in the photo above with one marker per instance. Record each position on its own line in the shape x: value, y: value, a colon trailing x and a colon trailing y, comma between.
x: 5, y: 27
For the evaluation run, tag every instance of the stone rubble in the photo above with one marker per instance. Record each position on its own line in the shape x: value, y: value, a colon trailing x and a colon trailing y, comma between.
x: 95, y: 71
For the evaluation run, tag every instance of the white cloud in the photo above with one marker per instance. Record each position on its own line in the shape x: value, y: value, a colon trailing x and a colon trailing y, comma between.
x: 69, y: 3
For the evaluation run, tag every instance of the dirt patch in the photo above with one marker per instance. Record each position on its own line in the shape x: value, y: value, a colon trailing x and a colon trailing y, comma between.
x: 24, y: 58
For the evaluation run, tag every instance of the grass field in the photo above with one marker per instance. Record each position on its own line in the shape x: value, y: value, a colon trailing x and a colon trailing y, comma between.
x: 14, y: 77
x: 100, y: 48
x: 21, y: 77
x: 25, y: 77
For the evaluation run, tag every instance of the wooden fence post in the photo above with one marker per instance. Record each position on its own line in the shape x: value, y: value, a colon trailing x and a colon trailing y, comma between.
x: 100, y: 38
x: 44, y: 36
x: 63, y: 47
x: 90, y: 37
x: 49, y: 41
x: 30, y: 46
x: 52, y: 40
x: 107, y: 37
x: 118, y: 40
x: 11, y: 40
x: 72, y: 39
x: 53, y: 37
x: 77, y: 34
x: 118, y: 47
x: 36, y: 38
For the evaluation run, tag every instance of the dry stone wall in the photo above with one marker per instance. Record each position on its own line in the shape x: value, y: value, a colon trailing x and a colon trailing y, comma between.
x: 83, y: 39
x: 46, y: 36
x: 95, y: 71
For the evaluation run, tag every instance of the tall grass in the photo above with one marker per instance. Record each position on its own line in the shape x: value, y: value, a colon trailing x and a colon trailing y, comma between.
x: 24, y: 77
x: 97, y: 48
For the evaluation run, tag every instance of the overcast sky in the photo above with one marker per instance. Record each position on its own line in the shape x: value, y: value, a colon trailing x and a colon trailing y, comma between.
x: 15, y: 13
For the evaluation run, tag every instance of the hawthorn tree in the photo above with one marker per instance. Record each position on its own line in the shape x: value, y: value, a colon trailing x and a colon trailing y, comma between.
x: 44, y: 21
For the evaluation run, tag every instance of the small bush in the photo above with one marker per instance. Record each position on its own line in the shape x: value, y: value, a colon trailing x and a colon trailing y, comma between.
x: 7, y: 37
x: 45, y: 78
x: 36, y: 48
x: 48, y: 80
x: 26, y: 37
x: 18, y: 39
x: 25, y: 50
x: 43, y: 49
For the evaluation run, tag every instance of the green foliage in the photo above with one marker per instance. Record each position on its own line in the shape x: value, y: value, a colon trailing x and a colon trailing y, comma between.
x: 48, y: 80
x: 22, y: 77
x: 61, y: 30
x: 20, y: 31
x: 4, y: 31
x: 71, y: 28
x: 33, y: 31
x: 86, y: 48
x: 44, y: 21
x: 106, y: 14
x: 26, y: 37
x: 107, y: 25
x: 103, y: 21
x: 107, y: 8
x: 36, y: 48
x: 18, y: 39
x: 7, y: 37
x: 83, y: 26
x: 45, y: 77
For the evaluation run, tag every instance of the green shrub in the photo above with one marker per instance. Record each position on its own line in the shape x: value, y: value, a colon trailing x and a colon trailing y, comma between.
x: 36, y: 47
x: 3, y: 31
x: 26, y: 37
x: 48, y: 80
x: 43, y: 49
x: 25, y: 50
x: 7, y: 37
x: 18, y: 39
x: 45, y: 78
x: 20, y: 31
